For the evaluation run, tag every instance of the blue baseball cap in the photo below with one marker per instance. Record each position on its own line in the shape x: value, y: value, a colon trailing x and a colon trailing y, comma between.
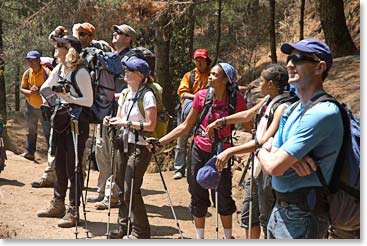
x: 138, y: 64
x: 33, y: 54
x: 208, y: 177
x: 229, y: 71
x: 310, y: 45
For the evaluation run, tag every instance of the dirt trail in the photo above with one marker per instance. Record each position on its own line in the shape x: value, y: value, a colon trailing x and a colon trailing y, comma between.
x: 20, y: 202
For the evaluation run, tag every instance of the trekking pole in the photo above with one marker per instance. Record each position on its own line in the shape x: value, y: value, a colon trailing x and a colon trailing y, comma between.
x: 132, y: 187
x: 84, y: 199
x: 75, y: 133
x: 251, y: 186
x: 113, y: 153
x: 169, y: 197
x: 216, y: 214
x: 242, y: 179
x: 90, y: 159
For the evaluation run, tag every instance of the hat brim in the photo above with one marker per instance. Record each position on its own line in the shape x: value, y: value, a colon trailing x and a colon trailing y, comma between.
x: 287, y: 48
x: 116, y: 27
x: 32, y: 57
x: 60, y: 40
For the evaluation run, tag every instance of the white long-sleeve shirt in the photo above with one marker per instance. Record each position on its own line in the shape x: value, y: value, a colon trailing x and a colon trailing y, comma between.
x: 83, y: 81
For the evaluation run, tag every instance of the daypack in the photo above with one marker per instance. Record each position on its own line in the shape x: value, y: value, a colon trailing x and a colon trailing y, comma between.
x: 104, y: 68
x: 161, y: 126
x: 142, y: 53
x: 344, y: 188
x: 45, y: 73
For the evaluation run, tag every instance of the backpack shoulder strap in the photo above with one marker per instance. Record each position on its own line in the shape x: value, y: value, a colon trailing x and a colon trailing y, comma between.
x: 207, y: 104
x: 341, y: 159
x: 141, y: 97
x: 73, y: 81
x: 192, y: 79
x: 27, y: 74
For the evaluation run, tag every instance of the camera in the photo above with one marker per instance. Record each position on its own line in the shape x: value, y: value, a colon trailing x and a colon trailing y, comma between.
x: 61, y: 87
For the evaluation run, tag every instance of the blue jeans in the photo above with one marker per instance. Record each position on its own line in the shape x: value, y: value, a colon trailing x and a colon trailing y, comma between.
x: 291, y: 222
x: 180, y: 151
x: 180, y: 154
x: 32, y: 115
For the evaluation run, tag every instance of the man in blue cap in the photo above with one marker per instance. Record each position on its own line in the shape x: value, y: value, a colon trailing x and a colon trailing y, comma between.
x: 301, y: 207
x: 32, y: 80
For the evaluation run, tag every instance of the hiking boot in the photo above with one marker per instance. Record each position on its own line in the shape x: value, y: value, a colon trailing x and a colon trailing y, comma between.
x: 130, y: 237
x: 95, y: 198
x: 43, y: 183
x: 178, y: 175
x: 117, y: 234
x: 55, y: 210
x: 102, y: 205
x: 28, y: 156
x: 69, y: 219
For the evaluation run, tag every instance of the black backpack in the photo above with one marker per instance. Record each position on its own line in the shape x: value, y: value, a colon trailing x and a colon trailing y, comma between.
x: 142, y: 53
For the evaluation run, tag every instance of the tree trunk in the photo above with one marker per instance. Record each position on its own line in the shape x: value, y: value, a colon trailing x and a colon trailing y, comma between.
x: 335, y: 29
x: 17, y: 89
x: 301, y: 19
x: 191, y: 30
x: 272, y: 32
x: 162, y: 37
x: 219, y: 31
x: 2, y: 76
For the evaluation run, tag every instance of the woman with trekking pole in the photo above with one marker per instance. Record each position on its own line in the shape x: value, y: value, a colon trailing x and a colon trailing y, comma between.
x: 259, y: 199
x: 70, y: 126
x: 135, y: 157
x: 225, y: 100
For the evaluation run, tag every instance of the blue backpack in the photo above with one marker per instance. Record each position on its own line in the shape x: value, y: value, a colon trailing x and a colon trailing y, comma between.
x: 344, y: 188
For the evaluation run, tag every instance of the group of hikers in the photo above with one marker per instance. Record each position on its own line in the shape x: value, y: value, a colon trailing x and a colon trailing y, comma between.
x: 284, y: 197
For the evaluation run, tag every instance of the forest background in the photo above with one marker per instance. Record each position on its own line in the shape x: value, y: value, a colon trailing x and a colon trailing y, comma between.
x: 245, y: 33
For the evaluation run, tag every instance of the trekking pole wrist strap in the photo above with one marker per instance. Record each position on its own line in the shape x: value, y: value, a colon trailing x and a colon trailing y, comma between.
x: 129, y: 123
x: 141, y: 125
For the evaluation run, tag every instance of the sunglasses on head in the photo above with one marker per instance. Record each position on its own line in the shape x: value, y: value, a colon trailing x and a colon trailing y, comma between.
x: 298, y: 59
x: 82, y: 34
x: 60, y: 45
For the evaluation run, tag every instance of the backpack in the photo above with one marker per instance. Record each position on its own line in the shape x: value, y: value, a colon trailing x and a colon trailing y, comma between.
x: 344, y: 188
x: 104, y: 68
x: 142, y: 53
x: 163, y: 118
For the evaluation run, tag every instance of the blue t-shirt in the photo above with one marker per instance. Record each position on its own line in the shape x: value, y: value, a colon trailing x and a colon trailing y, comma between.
x: 320, y: 132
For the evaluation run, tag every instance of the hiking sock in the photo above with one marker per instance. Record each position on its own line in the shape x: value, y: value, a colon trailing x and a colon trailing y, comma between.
x: 199, y: 233
x: 227, y: 233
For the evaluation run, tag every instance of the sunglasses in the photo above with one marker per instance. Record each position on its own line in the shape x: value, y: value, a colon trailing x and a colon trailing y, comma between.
x: 82, y: 34
x: 130, y: 70
x: 298, y: 59
x: 59, y: 45
x: 119, y: 32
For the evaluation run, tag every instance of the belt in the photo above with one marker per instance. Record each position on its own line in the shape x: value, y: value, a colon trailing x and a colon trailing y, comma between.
x: 315, y: 203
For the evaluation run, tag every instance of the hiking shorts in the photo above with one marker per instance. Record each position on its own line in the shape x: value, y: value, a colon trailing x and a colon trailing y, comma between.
x: 199, y: 196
